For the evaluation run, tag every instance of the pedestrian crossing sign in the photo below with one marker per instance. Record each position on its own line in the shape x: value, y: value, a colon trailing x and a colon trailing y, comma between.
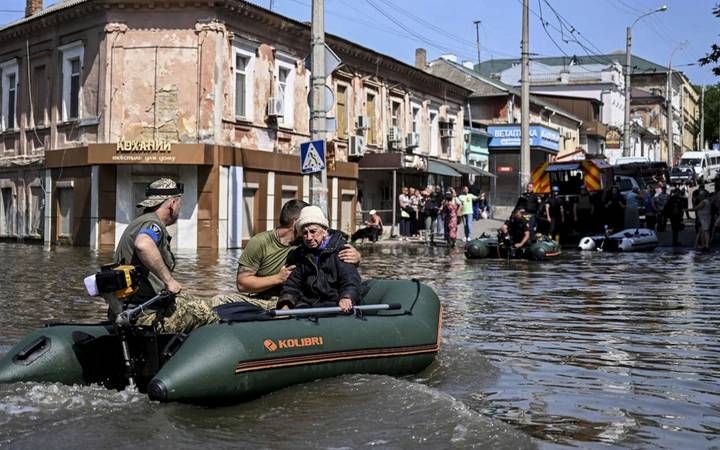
x: 312, y: 156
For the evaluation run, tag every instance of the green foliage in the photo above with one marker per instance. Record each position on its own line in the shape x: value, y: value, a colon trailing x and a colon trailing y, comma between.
x: 712, y: 113
x: 714, y: 56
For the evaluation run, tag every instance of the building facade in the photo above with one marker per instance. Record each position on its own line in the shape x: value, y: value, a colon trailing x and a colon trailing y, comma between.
x: 496, y: 106
x: 602, y: 77
x: 214, y: 95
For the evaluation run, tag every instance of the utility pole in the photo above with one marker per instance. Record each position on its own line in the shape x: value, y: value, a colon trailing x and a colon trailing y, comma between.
x: 669, y: 116
x: 701, y: 145
x: 477, y: 42
x: 628, y: 69
x: 628, y: 72
x: 525, y: 103
x: 318, y: 180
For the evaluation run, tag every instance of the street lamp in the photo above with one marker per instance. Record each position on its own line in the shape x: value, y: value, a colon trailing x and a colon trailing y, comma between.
x: 668, y: 99
x: 628, y: 70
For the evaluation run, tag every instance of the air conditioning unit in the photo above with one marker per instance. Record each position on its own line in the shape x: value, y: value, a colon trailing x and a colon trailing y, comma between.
x: 363, y: 122
x: 412, y: 140
x: 394, y: 135
x: 447, y: 132
x: 356, y: 146
x: 276, y: 107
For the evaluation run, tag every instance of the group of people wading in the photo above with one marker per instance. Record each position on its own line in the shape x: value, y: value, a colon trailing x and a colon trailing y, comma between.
x: 301, y: 263
x: 610, y: 211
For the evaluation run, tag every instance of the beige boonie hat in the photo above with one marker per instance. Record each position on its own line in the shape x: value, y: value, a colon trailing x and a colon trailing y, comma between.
x: 160, y: 190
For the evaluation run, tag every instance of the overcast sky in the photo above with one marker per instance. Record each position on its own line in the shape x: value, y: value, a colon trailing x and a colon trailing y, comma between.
x: 397, y: 27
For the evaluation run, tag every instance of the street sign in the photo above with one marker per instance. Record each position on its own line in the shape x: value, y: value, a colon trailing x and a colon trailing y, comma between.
x: 312, y: 156
x: 332, y: 61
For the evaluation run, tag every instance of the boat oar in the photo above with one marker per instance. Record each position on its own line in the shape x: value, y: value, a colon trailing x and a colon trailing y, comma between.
x: 332, y: 310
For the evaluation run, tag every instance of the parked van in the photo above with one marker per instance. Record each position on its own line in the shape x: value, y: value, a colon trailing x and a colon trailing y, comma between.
x: 705, y: 164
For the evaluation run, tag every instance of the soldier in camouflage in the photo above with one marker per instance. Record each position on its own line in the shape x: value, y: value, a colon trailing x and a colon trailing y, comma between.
x: 146, y: 243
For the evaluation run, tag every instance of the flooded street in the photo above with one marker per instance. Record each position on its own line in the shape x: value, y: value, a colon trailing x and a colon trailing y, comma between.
x: 589, y: 350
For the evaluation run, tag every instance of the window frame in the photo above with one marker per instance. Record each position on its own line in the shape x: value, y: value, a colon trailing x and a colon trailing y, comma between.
x: 71, y: 52
x: 434, y: 120
x: 344, y: 131
x: 371, y: 132
x: 8, y: 69
x: 286, y: 63
x: 415, y: 119
x: 249, y: 54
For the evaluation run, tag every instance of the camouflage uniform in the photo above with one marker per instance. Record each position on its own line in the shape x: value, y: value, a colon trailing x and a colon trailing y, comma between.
x: 188, y: 312
x: 185, y: 315
x: 265, y: 303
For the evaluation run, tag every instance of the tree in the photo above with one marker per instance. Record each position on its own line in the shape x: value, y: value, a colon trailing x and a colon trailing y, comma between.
x: 712, y: 114
x: 714, y: 56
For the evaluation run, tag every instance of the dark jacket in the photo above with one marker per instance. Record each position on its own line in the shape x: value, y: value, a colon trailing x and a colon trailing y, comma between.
x: 320, y: 276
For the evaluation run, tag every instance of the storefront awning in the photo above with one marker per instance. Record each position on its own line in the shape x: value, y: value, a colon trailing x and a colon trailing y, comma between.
x: 465, y: 169
x: 439, y: 168
x: 562, y: 167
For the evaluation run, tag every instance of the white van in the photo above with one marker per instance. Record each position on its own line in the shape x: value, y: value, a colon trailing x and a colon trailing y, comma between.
x: 705, y: 164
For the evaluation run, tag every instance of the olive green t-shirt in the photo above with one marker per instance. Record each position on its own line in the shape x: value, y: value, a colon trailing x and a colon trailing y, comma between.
x: 265, y: 255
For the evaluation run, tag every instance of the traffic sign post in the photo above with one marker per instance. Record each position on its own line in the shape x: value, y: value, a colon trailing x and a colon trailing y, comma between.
x: 312, y: 156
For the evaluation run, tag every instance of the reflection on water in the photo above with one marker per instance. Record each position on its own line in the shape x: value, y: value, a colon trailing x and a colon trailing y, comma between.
x: 588, y: 350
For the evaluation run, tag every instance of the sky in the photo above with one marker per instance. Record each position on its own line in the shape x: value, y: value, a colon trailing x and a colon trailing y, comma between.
x: 397, y: 27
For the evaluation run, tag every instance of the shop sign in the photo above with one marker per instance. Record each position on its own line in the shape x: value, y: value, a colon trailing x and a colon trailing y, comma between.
x: 613, y: 139
x: 504, y: 169
x: 416, y: 162
x: 154, y: 150
x: 509, y: 137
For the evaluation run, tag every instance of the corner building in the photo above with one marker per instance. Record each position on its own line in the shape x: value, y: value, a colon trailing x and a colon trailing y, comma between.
x: 99, y: 97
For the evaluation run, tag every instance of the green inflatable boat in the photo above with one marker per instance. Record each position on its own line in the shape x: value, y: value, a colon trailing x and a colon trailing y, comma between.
x: 397, y: 333
x: 540, y: 248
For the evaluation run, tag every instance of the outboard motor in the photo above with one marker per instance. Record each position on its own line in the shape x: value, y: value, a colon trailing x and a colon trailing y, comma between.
x: 587, y: 244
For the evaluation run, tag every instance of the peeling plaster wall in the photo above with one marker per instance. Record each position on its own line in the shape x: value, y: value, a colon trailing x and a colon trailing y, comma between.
x: 155, y: 89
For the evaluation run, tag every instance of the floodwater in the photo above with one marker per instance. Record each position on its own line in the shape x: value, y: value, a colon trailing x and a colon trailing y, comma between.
x: 590, y: 350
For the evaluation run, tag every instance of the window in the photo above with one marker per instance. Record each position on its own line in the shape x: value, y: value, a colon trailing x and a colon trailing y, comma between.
x: 39, y: 95
x: 9, y: 94
x: 248, y: 212
x: 72, y: 81
x: 285, y: 83
x: 244, y: 69
x: 74, y: 88
x: 6, y: 218
x: 288, y: 193
x: 448, y: 143
x: 434, y: 129
x: 35, y: 211
x: 283, y: 75
x: 395, y: 114
x: 241, y: 63
x: 416, y: 119
x: 65, y: 208
x: 341, y: 111
x: 12, y: 86
x: 370, y: 113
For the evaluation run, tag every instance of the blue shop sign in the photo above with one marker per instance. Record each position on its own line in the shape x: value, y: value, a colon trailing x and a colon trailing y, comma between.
x: 509, y: 137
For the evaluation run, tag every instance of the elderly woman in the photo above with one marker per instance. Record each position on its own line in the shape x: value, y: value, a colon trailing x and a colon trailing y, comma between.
x: 320, y: 277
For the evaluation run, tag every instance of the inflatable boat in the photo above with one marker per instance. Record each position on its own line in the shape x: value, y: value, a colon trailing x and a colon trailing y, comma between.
x: 490, y: 247
x: 246, y: 355
x: 630, y: 240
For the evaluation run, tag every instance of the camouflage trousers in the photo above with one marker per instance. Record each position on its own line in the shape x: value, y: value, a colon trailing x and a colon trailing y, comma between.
x: 269, y: 303
x: 190, y: 312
